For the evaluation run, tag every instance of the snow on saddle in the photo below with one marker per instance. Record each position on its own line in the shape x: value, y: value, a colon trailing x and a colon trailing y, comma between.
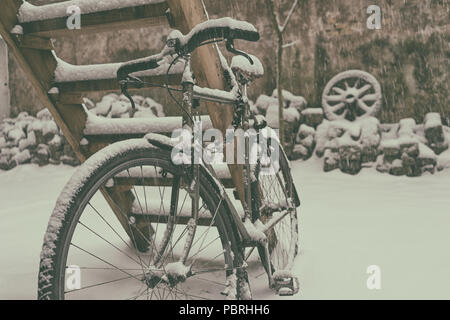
x: 244, y: 70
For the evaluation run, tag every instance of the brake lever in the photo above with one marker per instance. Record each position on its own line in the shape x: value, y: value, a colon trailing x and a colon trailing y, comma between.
x: 136, y: 82
x: 230, y: 47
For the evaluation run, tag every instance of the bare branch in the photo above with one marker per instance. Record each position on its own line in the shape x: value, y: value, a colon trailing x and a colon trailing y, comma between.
x: 290, y: 44
x: 286, y: 22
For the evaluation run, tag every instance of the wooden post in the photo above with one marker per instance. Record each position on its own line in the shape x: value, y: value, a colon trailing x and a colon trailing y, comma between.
x: 208, y: 73
x: 5, y: 107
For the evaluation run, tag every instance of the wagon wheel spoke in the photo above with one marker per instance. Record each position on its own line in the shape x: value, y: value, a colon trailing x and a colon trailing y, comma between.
x: 339, y: 90
x: 363, y: 106
x: 335, y: 98
x: 338, y: 107
x: 369, y: 97
x: 364, y: 89
x: 346, y: 85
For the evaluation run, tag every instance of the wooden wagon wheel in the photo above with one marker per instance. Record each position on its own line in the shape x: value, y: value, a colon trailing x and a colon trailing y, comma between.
x: 352, y: 95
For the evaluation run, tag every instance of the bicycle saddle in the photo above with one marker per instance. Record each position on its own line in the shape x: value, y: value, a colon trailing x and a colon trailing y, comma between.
x: 246, y: 72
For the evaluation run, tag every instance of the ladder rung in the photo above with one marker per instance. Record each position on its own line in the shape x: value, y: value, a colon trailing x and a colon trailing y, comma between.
x: 153, y: 212
x: 147, y: 176
x: 154, y: 218
x: 103, y: 77
x: 104, y: 85
x: 96, y: 125
x: 161, y: 182
x: 152, y: 14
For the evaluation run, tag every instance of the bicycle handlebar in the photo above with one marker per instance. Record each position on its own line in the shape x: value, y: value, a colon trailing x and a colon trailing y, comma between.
x: 224, y: 29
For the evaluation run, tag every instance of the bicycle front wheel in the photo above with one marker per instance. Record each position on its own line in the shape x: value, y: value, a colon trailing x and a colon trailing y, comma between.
x: 122, y: 229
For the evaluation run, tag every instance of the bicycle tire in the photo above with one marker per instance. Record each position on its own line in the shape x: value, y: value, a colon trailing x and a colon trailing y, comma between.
x: 93, y: 175
x: 282, y: 255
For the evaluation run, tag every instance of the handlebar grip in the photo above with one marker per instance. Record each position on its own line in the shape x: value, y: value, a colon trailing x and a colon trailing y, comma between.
x: 132, y: 66
x: 225, y: 28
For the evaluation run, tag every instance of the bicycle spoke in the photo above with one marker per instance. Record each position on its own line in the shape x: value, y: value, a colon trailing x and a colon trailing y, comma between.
x: 103, y: 260
x: 133, y: 226
x: 114, y: 230
x: 98, y: 284
x: 98, y: 268
x: 112, y: 245
x: 211, y: 223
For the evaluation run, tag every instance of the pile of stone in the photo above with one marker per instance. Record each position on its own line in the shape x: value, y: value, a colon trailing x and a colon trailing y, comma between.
x: 28, y: 139
x: 405, y: 148
x: 38, y: 140
x: 348, y: 145
x: 411, y: 149
x: 115, y: 106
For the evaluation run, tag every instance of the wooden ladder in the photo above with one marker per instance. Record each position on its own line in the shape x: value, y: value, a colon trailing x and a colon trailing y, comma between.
x: 33, y: 47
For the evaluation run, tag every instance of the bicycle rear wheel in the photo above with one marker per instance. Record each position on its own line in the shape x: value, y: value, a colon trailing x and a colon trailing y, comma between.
x: 122, y: 229
x: 273, y: 193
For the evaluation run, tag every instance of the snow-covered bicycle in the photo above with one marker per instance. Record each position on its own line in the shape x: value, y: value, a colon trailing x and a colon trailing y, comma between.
x: 133, y: 224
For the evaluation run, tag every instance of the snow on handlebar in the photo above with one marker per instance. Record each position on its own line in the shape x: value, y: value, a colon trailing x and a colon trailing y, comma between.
x: 221, y: 29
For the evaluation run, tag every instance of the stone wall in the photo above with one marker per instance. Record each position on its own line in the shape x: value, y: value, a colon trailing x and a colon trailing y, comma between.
x: 408, y: 55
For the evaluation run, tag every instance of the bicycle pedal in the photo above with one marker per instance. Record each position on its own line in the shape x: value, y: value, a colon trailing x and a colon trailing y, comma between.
x: 285, y: 284
x: 285, y: 292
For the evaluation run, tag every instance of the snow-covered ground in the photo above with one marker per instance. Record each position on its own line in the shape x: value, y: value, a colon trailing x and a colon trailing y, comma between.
x: 348, y: 223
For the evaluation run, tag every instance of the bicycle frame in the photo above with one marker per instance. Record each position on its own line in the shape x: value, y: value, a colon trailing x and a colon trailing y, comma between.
x: 191, y: 92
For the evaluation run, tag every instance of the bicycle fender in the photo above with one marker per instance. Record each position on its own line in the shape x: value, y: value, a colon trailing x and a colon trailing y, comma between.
x: 161, y: 141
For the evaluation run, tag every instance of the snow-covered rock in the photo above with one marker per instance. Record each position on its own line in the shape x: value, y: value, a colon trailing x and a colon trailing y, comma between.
x: 156, y: 108
x: 118, y: 108
x: 88, y: 103
x: 44, y: 114
x: 312, y: 117
x: 331, y: 160
x: 406, y: 127
x: 370, y: 139
x: 104, y: 106
x: 263, y: 102
x: 443, y: 161
x: 291, y: 100
x: 290, y: 115
x: 434, y: 133
x: 15, y: 135
x: 22, y: 157
x: 306, y: 143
